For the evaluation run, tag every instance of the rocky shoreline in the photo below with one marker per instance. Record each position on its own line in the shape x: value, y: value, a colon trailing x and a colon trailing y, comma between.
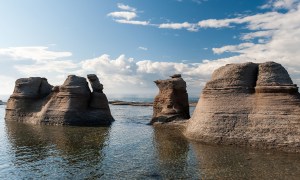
x: 133, y: 103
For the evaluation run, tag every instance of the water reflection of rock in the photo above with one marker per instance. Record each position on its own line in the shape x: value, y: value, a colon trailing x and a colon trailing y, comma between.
x: 172, y: 151
x: 223, y: 162
x: 69, y: 148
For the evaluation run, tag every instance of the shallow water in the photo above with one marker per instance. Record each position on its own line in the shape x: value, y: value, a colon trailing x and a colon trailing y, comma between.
x: 129, y: 149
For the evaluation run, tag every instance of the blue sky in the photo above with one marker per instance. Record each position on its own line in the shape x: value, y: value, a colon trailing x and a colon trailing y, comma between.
x: 131, y: 43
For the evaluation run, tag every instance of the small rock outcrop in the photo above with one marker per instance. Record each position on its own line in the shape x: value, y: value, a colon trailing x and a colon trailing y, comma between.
x: 172, y: 101
x: 249, y: 104
x: 35, y: 101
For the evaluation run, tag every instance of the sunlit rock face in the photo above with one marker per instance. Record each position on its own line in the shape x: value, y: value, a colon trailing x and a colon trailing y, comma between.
x: 251, y: 105
x: 171, y: 103
x: 35, y: 101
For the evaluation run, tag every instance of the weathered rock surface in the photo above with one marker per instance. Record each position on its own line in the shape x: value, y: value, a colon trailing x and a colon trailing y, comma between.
x: 172, y: 101
x: 35, y: 101
x: 251, y: 105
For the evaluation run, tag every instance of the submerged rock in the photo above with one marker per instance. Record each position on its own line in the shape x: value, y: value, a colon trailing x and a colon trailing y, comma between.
x: 248, y: 104
x: 34, y: 100
x: 172, y: 101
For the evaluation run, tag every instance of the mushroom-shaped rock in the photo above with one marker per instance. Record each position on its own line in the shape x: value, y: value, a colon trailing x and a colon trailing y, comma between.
x: 35, y: 101
x: 248, y: 104
x: 172, y: 101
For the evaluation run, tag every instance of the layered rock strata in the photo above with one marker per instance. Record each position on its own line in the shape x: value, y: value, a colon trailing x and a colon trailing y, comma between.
x: 172, y: 101
x: 35, y: 101
x: 251, y: 105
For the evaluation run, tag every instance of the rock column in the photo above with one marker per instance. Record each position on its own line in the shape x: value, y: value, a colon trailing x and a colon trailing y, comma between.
x: 171, y: 104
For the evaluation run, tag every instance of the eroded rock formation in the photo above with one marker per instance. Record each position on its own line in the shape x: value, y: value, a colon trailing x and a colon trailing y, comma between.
x: 172, y: 101
x: 249, y: 104
x: 34, y: 100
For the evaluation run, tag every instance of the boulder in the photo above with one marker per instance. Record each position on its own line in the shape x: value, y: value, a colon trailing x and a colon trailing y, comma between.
x: 248, y: 104
x: 171, y: 103
x: 35, y: 101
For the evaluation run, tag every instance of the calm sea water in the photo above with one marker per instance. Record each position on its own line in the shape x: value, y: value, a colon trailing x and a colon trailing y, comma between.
x: 129, y: 149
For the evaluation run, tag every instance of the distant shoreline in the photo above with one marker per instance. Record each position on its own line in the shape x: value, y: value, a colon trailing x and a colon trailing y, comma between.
x: 127, y: 103
x: 131, y: 103
x: 2, y: 103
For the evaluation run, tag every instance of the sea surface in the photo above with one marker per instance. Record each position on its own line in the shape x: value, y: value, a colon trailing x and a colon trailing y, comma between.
x: 129, y: 149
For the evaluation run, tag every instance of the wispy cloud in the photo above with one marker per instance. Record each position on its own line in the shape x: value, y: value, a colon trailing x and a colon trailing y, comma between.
x: 41, y: 68
x: 127, y: 16
x: 143, y: 48
x: 280, y: 4
x: 185, y: 25
x: 124, y: 21
x: 257, y: 34
x: 199, y: 1
x: 232, y: 48
x: 255, y: 22
x: 123, y: 15
x: 214, y: 23
x: 194, y: 1
x: 37, y: 53
x: 126, y: 7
